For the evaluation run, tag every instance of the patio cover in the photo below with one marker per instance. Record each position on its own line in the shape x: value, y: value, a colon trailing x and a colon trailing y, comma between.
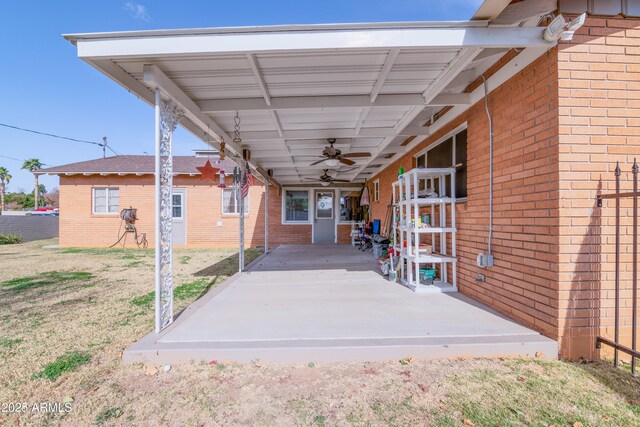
x: 372, y: 86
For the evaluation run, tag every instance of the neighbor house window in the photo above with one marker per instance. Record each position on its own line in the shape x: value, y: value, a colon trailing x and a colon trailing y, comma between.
x: 105, y: 200
x: 229, y: 202
x: 376, y: 190
x: 176, y: 206
x: 450, y: 152
x: 296, y: 206
x: 350, y: 206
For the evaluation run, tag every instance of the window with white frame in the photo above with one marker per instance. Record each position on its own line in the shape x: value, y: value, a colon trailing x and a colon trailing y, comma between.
x: 449, y: 152
x: 296, y: 206
x: 176, y: 206
x: 105, y: 200
x: 350, y: 209
x: 230, y: 206
x: 376, y: 190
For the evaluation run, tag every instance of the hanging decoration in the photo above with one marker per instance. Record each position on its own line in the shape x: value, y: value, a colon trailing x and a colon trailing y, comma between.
x: 222, y: 144
x: 222, y: 177
x: 208, y: 172
x: 364, y: 197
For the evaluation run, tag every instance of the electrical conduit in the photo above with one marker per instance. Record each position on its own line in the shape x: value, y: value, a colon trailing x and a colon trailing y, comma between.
x: 486, y: 106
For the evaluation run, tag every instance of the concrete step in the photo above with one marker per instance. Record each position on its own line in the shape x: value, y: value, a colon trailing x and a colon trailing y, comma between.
x: 341, y: 350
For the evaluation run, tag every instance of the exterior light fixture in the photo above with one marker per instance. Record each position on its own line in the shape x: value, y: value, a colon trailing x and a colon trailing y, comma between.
x: 331, y: 162
x: 560, y: 29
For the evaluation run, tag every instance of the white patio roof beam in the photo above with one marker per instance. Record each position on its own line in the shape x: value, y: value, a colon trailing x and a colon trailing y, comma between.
x: 155, y: 78
x: 277, y: 41
x: 464, y: 57
x: 333, y: 101
x: 288, y: 135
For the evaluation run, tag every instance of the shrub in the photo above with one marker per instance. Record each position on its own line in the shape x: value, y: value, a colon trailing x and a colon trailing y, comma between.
x: 9, y: 239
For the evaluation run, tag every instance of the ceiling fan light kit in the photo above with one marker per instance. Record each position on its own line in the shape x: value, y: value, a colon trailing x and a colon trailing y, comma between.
x: 332, y: 156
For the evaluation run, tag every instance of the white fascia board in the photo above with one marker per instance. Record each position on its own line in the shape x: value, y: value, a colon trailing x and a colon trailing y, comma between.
x: 279, y: 28
x: 486, y: 37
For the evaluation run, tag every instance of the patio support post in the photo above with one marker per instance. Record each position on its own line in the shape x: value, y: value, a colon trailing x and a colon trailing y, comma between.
x: 167, y: 116
x: 266, y: 216
x: 241, y: 252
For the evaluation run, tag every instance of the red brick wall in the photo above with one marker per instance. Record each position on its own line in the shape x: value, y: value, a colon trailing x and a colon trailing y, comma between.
x: 284, y: 233
x: 560, y: 126
x: 79, y: 227
x: 523, y: 283
x: 599, y: 106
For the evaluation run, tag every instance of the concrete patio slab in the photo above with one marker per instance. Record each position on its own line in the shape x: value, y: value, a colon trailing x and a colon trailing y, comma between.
x: 328, y: 303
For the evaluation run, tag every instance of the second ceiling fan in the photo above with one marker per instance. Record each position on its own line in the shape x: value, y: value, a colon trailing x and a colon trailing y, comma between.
x: 332, y: 156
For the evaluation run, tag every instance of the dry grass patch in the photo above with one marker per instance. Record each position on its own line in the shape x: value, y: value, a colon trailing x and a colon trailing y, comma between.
x: 67, y: 315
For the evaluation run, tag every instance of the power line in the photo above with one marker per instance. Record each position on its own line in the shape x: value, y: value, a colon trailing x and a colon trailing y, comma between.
x: 11, y: 158
x: 52, y: 135
x: 18, y: 160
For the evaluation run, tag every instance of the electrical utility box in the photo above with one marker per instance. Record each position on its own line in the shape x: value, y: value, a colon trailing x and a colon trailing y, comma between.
x: 484, y: 260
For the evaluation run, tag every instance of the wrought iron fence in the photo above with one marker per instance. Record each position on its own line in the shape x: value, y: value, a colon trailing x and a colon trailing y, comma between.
x: 616, y: 342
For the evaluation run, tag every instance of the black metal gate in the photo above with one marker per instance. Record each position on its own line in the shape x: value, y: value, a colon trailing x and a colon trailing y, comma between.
x: 618, y: 196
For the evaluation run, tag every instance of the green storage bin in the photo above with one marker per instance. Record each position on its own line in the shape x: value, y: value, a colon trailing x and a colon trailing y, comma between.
x: 427, y: 273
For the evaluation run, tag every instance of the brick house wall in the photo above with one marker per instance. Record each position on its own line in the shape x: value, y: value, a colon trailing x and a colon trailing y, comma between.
x: 560, y: 125
x: 599, y: 109
x: 79, y: 227
x: 524, y: 110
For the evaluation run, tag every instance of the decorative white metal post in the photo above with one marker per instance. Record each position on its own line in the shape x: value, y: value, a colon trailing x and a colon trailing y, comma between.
x: 266, y: 216
x: 241, y: 253
x: 242, y: 181
x: 167, y: 118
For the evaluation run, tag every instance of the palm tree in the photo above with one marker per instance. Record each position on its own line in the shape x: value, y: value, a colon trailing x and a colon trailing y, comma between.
x: 5, y: 177
x: 33, y: 165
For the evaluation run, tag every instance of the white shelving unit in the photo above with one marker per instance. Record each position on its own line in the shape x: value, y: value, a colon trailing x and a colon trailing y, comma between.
x: 425, y: 244
x: 395, y: 229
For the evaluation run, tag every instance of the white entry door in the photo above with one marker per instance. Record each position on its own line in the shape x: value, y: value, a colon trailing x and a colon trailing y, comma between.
x: 179, y: 214
x: 324, y: 222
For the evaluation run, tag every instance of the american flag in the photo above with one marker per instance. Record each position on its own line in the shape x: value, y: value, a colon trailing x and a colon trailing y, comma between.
x: 247, y: 181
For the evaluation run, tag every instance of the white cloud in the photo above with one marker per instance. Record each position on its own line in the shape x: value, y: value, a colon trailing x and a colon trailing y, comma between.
x: 137, y: 11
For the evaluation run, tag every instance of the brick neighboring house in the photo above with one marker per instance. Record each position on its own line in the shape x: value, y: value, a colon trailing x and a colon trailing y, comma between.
x: 560, y: 124
x: 204, y: 214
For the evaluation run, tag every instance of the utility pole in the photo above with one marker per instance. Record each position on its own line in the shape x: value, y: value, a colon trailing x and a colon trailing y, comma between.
x: 104, y: 147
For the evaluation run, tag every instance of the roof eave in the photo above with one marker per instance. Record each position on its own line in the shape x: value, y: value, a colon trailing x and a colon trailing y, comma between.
x: 74, y: 37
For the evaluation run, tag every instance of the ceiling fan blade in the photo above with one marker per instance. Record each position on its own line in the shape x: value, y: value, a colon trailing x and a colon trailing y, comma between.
x: 347, y: 162
x: 340, y: 180
x: 357, y: 155
x: 310, y: 179
x: 319, y: 161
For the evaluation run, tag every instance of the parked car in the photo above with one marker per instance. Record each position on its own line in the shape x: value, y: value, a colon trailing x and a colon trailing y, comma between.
x: 47, y: 211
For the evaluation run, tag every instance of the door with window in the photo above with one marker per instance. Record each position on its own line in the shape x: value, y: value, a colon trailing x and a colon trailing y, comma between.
x: 179, y: 216
x: 324, y: 227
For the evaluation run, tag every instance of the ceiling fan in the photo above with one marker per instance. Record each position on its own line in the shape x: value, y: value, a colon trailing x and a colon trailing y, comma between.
x: 326, y: 179
x: 332, y: 156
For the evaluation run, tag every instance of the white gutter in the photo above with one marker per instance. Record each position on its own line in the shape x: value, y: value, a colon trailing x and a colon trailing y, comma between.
x: 73, y: 37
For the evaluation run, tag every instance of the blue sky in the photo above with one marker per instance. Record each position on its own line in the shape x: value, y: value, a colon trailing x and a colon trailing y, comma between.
x: 47, y: 88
